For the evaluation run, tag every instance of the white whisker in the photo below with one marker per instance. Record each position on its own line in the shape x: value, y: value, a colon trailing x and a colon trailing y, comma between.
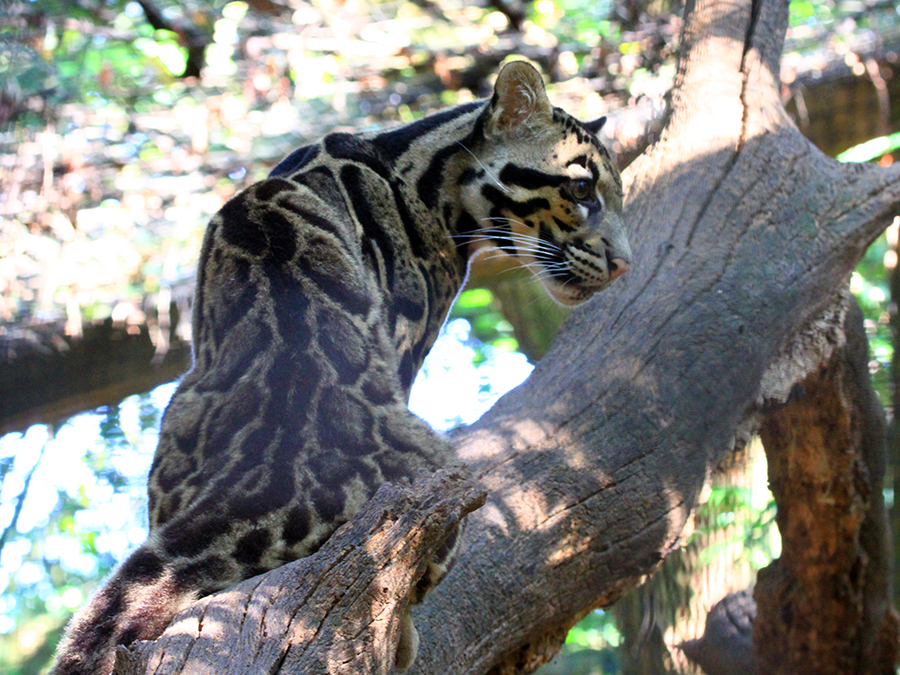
x: 494, y: 256
x: 490, y: 175
x: 518, y: 236
x: 504, y: 238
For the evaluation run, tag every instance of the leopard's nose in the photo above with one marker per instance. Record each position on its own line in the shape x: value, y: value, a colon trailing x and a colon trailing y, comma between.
x: 617, y: 267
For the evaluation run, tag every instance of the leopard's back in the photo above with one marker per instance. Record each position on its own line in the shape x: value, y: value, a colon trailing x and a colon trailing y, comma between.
x: 319, y: 292
x: 308, y: 336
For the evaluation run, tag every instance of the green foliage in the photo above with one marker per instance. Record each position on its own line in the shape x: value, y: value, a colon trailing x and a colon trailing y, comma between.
x: 806, y: 12
x: 71, y: 55
x: 596, y: 631
x: 591, y: 648
x: 489, y: 329
x: 839, y: 24
x: 77, y: 496
x: 577, y: 21
x: 871, y: 150
x: 749, y: 524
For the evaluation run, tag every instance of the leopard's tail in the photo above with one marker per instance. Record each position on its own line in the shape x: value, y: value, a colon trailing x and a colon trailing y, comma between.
x: 136, y: 602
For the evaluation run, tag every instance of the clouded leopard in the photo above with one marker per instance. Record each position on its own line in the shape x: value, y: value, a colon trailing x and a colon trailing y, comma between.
x: 319, y: 292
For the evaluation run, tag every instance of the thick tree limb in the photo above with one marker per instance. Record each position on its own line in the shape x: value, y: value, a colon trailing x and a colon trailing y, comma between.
x: 743, y: 233
x: 337, y: 611
x: 47, y: 377
x: 824, y: 605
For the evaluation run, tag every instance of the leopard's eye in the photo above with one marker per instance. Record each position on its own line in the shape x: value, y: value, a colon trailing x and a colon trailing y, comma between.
x: 581, y: 190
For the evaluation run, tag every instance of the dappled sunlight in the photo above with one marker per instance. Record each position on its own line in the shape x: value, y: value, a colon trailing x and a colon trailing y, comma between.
x: 494, y: 517
x: 189, y: 625
x: 484, y: 444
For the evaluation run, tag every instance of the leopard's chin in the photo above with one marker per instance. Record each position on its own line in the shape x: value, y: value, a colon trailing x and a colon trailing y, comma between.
x: 570, y: 296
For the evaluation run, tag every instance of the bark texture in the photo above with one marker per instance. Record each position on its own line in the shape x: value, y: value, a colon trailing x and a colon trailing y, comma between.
x: 337, y: 611
x: 742, y: 234
x: 824, y: 605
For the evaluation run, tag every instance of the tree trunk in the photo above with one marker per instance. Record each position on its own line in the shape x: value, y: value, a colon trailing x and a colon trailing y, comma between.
x: 825, y: 605
x: 743, y: 235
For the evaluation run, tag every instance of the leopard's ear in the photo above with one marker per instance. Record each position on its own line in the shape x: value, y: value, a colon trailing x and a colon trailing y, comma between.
x: 594, y: 126
x: 520, y: 101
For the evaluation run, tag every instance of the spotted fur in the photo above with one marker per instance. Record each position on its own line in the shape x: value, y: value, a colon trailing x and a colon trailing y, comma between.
x: 319, y: 292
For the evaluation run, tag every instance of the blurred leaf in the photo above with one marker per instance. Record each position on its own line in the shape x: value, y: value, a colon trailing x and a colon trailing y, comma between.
x: 873, y: 149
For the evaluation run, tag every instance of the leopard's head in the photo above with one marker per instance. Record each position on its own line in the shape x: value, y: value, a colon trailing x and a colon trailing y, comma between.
x: 542, y: 188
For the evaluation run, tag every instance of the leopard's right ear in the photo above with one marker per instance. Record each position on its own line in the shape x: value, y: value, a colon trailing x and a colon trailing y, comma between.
x: 594, y: 126
x: 519, y: 103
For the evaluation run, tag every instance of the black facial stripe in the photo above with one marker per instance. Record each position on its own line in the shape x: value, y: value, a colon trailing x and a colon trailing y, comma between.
x: 518, y: 209
x: 530, y: 179
x: 563, y: 274
x: 553, y: 254
x: 564, y: 226
x: 612, y: 266
x: 580, y: 160
x: 586, y: 258
x: 587, y: 163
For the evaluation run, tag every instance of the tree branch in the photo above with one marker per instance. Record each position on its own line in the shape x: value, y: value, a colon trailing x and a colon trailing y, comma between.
x: 742, y: 234
x: 825, y: 605
x: 342, y: 605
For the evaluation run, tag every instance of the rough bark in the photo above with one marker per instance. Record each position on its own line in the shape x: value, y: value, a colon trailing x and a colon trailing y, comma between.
x: 824, y: 605
x: 743, y: 233
x: 337, y: 611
